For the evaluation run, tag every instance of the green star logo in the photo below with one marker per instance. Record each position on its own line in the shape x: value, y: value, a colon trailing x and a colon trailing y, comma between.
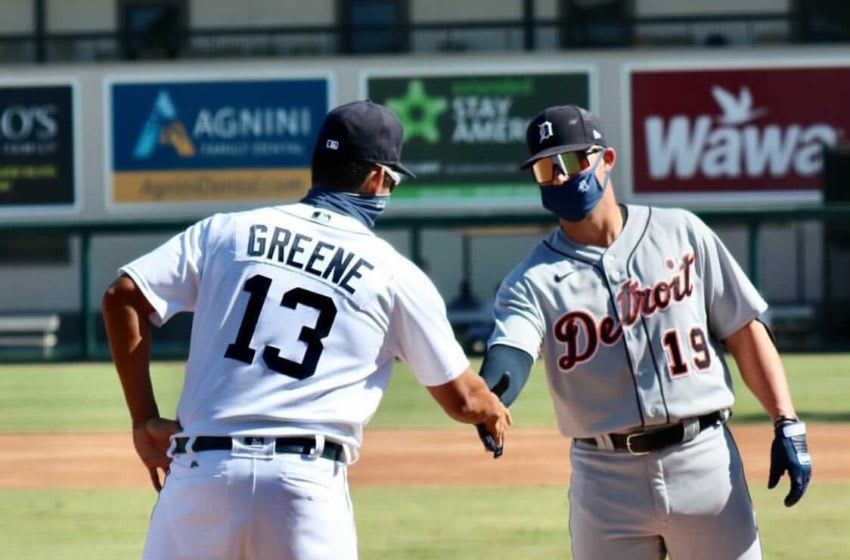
x: 418, y: 112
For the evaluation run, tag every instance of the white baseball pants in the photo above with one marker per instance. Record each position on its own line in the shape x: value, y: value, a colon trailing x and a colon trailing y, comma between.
x: 255, y: 506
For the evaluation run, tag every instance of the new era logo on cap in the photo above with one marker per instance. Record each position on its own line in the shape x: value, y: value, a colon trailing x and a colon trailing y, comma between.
x: 332, y: 144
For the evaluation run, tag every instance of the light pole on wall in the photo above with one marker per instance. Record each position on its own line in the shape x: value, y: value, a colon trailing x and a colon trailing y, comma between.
x: 528, y: 24
x: 40, y: 30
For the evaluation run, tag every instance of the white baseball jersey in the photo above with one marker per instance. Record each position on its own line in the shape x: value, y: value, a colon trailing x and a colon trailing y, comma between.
x: 299, y: 313
x: 631, y: 333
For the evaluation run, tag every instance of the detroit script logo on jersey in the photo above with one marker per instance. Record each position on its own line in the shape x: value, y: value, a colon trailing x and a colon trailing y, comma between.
x: 581, y: 333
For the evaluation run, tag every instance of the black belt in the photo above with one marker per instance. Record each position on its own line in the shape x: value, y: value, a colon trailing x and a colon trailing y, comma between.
x: 653, y: 440
x: 297, y: 445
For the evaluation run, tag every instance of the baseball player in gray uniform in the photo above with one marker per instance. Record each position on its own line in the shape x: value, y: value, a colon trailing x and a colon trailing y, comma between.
x: 632, y: 309
x: 299, y: 314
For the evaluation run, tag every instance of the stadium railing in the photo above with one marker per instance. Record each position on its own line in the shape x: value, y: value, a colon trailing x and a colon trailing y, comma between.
x: 21, y: 331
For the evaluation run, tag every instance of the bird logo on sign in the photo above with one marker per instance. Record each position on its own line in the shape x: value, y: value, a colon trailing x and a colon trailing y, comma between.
x: 737, y: 109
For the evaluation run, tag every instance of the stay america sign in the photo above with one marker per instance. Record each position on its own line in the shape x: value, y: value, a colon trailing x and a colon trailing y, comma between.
x: 736, y: 129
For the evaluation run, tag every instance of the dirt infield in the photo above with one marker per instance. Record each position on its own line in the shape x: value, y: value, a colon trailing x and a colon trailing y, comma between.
x: 390, y: 457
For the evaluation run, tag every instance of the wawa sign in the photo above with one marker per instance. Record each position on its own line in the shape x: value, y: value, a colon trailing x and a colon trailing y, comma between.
x: 736, y: 129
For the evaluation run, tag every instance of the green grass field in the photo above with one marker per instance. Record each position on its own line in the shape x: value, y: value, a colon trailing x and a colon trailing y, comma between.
x: 415, y: 523
x: 393, y: 523
x: 87, y: 397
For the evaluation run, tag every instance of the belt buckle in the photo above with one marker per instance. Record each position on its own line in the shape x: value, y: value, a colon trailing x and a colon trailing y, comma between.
x: 253, y: 447
x: 629, y: 445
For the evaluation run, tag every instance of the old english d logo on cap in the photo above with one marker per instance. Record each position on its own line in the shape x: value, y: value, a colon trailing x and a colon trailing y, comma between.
x: 562, y: 128
x: 545, y: 130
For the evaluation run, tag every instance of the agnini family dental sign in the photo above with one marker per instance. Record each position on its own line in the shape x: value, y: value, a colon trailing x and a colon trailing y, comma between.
x: 212, y: 140
x: 753, y: 130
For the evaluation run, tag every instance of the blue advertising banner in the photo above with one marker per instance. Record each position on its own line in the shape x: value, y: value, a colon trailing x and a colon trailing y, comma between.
x: 209, y: 141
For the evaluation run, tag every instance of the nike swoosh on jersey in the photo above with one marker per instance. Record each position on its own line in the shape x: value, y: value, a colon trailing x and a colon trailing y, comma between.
x: 560, y: 277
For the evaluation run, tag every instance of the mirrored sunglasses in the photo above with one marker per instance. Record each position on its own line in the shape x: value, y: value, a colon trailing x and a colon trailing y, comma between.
x: 568, y: 163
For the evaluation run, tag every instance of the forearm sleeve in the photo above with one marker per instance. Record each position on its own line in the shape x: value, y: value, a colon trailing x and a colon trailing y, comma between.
x: 506, y: 370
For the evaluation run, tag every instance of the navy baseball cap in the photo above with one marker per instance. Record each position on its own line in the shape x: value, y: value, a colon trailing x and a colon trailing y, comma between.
x: 559, y: 129
x: 361, y: 131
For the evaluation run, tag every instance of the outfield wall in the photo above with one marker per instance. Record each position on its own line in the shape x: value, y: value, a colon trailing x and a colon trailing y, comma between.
x: 723, y: 100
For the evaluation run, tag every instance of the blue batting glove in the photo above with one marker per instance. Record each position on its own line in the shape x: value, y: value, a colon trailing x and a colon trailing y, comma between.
x: 790, y: 453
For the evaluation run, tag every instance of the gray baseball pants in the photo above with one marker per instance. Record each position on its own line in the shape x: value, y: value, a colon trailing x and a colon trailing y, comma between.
x: 689, y: 501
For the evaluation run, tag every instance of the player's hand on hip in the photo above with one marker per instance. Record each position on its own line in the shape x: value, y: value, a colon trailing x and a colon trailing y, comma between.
x: 151, y: 441
x: 790, y: 453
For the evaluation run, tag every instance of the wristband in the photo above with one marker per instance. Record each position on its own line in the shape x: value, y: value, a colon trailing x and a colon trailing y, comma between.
x: 782, y: 420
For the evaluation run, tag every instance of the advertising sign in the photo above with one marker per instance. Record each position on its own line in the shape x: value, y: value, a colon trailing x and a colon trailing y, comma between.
x: 213, y: 141
x: 36, y: 147
x: 750, y: 130
x: 465, y: 133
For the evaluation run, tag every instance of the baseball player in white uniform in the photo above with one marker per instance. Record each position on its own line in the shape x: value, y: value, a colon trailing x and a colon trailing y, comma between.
x: 299, y: 313
x: 631, y: 308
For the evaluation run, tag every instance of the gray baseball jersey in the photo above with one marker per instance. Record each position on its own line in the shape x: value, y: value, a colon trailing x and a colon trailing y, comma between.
x: 631, y: 333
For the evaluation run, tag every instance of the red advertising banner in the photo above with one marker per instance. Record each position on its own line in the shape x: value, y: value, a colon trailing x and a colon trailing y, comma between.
x: 736, y: 129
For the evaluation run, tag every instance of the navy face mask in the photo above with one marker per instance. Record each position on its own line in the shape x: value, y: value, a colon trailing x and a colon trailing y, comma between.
x: 577, y: 197
x: 364, y: 208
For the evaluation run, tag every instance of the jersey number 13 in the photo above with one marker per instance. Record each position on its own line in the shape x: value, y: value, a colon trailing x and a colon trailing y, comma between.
x: 258, y: 288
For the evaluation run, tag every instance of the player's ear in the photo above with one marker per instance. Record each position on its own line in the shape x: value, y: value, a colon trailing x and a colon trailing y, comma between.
x: 609, y: 156
x: 373, y: 182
